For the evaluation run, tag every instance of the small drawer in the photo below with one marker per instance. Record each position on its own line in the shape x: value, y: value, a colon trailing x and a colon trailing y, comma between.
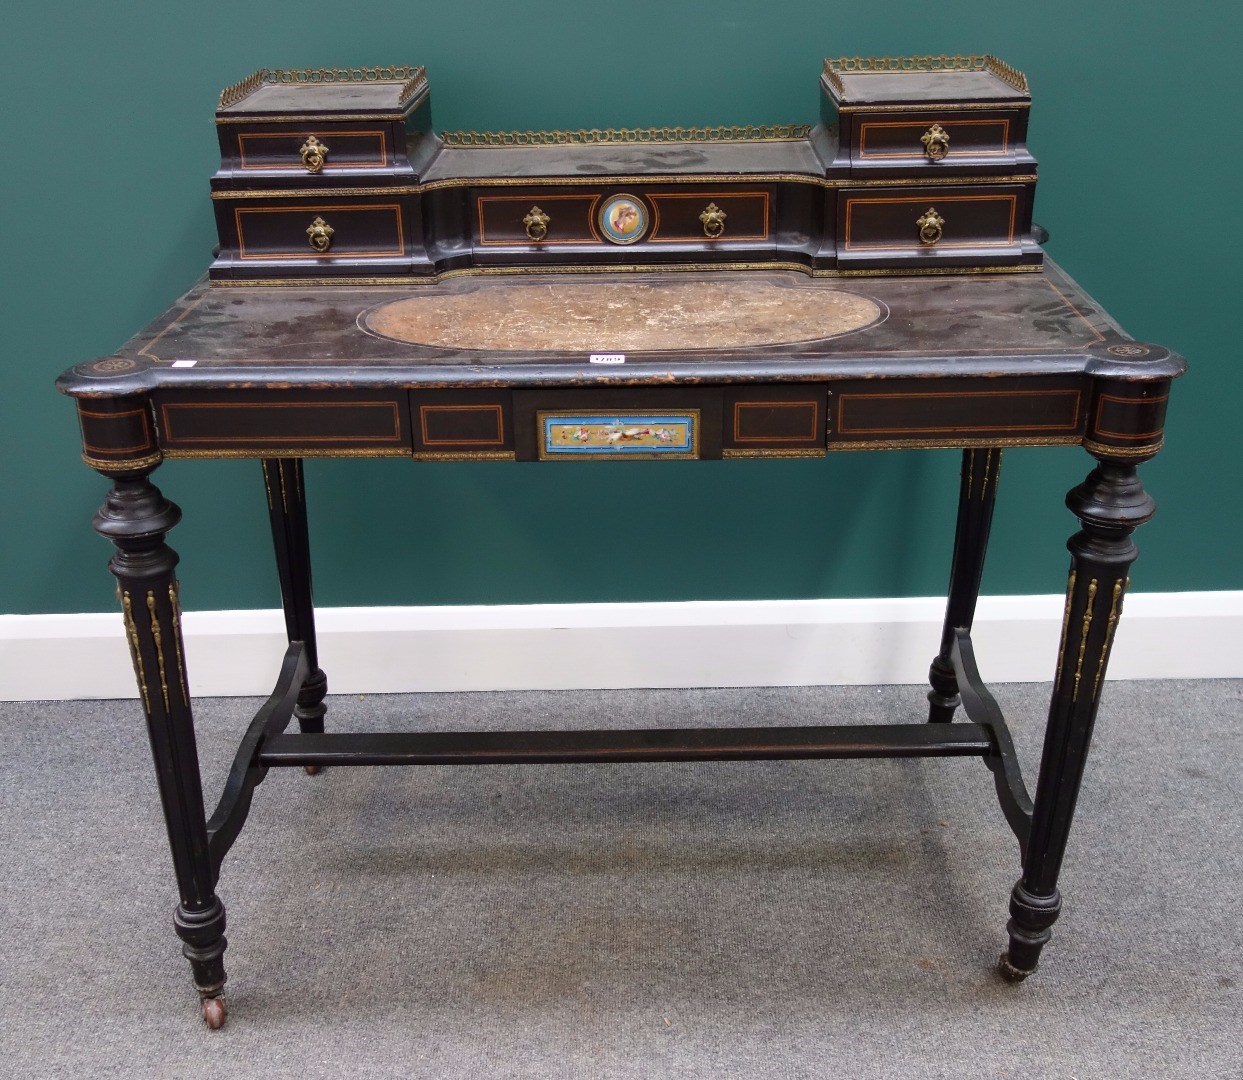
x: 540, y: 218
x: 774, y: 421
x: 314, y: 152
x: 325, y: 231
x: 451, y: 425
x: 931, y: 220
x: 709, y: 215
x: 928, y: 138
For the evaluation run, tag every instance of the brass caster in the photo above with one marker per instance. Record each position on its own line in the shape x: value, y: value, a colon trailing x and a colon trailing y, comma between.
x: 1008, y: 971
x: 313, y: 770
x: 214, y: 1012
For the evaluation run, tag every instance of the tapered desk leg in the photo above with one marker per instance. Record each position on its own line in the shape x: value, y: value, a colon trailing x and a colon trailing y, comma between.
x: 282, y: 477
x: 981, y: 469
x: 1110, y: 504
x: 136, y: 518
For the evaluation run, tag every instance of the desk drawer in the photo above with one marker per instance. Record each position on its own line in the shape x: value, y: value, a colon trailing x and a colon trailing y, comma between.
x: 461, y: 425
x: 539, y: 218
x: 935, y: 225
x: 322, y: 231
x: 929, y: 138
x: 618, y: 424
x: 288, y: 424
x: 710, y: 214
x: 997, y: 412
x: 307, y: 152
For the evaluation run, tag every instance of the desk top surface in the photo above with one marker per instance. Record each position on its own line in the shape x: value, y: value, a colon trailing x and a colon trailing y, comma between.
x: 673, y: 328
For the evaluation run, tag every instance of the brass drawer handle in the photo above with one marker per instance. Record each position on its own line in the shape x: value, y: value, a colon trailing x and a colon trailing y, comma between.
x: 936, y: 142
x: 537, y: 224
x: 313, y: 154
x: 319, y: 232
x: 930, y: 226
x: 713, y: 219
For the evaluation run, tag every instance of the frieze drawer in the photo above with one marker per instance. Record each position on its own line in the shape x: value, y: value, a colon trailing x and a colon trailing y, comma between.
x: 907, y: 412
x: 936, y: 225
x: 259, y: 424
x: 320, y: 230
x: 611, y: 218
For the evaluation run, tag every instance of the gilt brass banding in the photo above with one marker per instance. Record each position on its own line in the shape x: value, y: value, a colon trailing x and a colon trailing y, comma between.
x: 1105, y: 450
x: 111, y: 465
x: 463, y: 455
x: 773, y: 452
x: 588, y: 181
x: 319, y: 233
x: 620, y: 268
x: 313, y: 154
x: 930, y: 227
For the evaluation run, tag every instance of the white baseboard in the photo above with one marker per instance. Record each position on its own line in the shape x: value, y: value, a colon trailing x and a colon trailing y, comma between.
x: 579, y: 646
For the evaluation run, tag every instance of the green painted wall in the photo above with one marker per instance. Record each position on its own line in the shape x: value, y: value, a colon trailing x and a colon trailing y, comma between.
x: 108, y: 143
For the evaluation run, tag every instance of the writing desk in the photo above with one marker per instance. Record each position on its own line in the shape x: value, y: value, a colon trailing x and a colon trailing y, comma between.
x: 693, y: 365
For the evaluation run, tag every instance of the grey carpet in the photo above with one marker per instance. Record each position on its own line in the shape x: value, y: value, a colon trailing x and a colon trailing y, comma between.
x: 780, y: 919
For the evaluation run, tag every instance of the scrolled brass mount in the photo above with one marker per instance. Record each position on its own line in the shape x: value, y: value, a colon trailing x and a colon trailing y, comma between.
x: 936, y: 142
x: 713, y: 218
x: 313, y: 154
x: 536, y: 222
x: 930, y: 226
x: 319, y: 232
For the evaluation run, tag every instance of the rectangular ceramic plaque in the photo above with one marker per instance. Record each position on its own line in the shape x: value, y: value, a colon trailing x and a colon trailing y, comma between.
x: 589, y: 434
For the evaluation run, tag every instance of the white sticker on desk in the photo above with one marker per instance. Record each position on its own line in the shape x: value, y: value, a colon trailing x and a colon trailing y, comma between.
x: 607, y: 358
x: 184, y: 363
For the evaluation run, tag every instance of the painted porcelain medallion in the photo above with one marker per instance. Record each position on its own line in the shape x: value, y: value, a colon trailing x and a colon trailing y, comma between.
x: 623, y: 219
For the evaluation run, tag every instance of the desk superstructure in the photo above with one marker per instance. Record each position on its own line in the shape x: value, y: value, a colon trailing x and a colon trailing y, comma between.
x: 918, y: 164
x: 752, y: 339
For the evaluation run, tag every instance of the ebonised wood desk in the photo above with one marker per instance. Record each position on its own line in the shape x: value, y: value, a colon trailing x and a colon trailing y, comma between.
x: 699, y: 365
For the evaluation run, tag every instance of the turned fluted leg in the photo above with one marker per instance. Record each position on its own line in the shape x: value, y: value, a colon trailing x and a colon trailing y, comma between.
x: 282, y: 477
x: 981, y: 469
x: 136, y: 518
x: 1110, y: 504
